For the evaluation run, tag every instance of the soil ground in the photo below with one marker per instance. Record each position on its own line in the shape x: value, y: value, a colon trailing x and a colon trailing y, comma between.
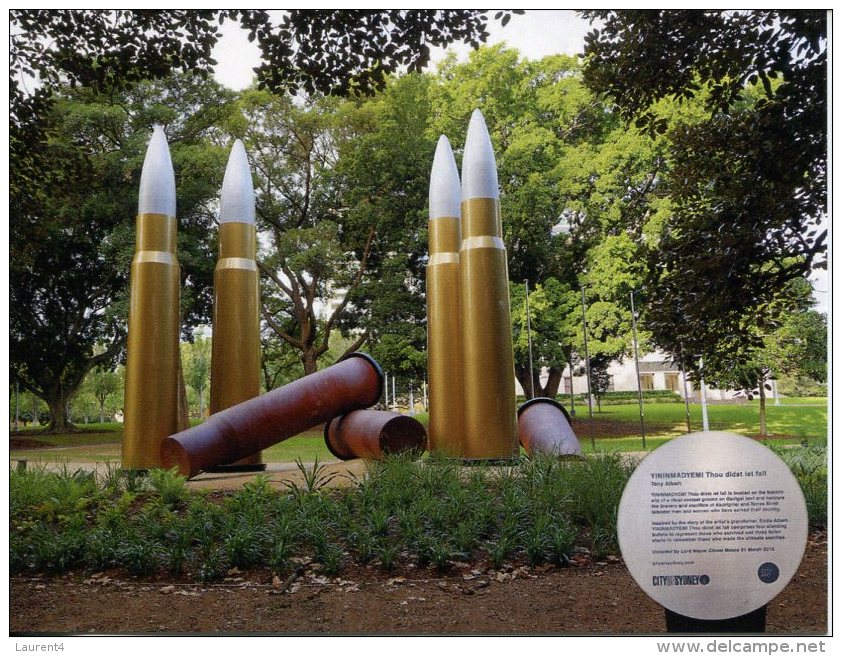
x: 584, y: 598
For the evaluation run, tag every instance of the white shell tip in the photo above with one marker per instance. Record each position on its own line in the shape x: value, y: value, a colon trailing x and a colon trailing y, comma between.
x: 479, y: 167
x: 157, y: 178
x: 445, y: 193
x: 236, y: 203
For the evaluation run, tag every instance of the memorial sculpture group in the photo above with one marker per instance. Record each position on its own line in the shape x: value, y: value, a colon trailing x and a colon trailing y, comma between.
x: 470, y: 354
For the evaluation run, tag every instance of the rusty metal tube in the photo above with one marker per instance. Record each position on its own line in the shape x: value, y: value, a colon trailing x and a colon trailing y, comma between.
x: 372, y: 434
x: 544, y: 427
x: 354, y: 383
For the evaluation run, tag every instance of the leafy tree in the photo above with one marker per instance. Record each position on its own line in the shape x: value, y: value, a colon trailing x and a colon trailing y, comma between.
x: 563, y: 160
x: 384, y: 172
x: 341, y: 195
x: 279, y: 364
x: 196, y: 357
x: 747, y: 184
x: 82, y: 406
x: 553, y: 318
x: 30, y: 409
x: 71, y: 252
x: 63, y: 280
x: 301, y: 215
x: 600, y: 378
x: 769, y: 355
x: 799, y: 347
x: 325, y: 50
x: 105, y: 386
x: 337, y: 51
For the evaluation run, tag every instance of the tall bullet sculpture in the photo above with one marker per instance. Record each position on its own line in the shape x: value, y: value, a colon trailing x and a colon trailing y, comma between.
x: 151, y: 397
x: 488, y: 355
x: 444, y: 333
x: 235, y: 357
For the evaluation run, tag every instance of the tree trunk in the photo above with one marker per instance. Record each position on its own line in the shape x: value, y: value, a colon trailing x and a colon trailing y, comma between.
x: 522, y: 375
x: 102, y: 412
x: 183, y: 414
x: 17, y: 407
x: 310, y: 360
x: 762, y: 381
x: 550, y: 390
x: 201, y: 403
x: 35, y: 418
x: 59, y: 417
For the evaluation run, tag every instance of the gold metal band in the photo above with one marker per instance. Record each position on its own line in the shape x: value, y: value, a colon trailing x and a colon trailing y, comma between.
x: 481, y: 216
x: 155, y: 232
x: 444, y: 235
x: 237, y: 239
x: 483, y: 242
x: 443, y: 258
x: 236, y: 263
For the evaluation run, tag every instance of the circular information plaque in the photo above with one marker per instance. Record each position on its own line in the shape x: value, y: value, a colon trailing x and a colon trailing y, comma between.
x: 712, y: 525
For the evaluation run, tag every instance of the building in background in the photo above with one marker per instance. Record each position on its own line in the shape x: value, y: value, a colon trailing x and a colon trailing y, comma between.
x: 657, y: 372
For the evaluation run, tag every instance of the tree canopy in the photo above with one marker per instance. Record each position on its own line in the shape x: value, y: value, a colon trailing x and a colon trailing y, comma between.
x: 747, y: 181
x: 327, y: 51
x: 70, y: 254
x: 694, y: 208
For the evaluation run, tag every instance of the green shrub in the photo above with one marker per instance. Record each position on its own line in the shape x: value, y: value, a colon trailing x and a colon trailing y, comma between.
x: 101, y: 548
x: 211, y: 564
x: 562, y: 539
x: 809, y: 465
x: 388, y: 555
x: 138, y: 554
x: 176, y: 548
x: 801, y: 386
x: 280, y: 554
x: 49, y: 496
x: 169, y: 484
x: 649, y: 396
x: 245, y: 545
x: 55, y: 551
x: 433, y: 512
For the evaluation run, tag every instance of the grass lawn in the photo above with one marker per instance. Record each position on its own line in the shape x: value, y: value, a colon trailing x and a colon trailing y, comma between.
x: 307, y: 446
x: 616, y: 428
x: 792, y: 421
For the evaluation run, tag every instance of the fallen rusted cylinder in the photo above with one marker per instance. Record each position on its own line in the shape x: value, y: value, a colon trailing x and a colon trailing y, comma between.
x: 544, y: 427
x: 372, y: 434
x: 232, y: 434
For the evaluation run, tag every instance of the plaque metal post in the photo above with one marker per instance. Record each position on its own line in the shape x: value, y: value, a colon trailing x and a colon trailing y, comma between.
x: 753, y: 622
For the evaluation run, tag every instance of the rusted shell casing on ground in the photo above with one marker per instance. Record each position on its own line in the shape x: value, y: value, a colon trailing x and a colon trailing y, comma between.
x: 488, y: 354
x: 152, y: 361
x: 230, y: 435
x: 235, y: 360
x: 544, y: 427
x: 372, y: 434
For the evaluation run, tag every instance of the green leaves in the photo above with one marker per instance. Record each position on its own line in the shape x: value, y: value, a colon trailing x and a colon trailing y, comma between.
x: 72, y: 246
x: 741, y: 99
